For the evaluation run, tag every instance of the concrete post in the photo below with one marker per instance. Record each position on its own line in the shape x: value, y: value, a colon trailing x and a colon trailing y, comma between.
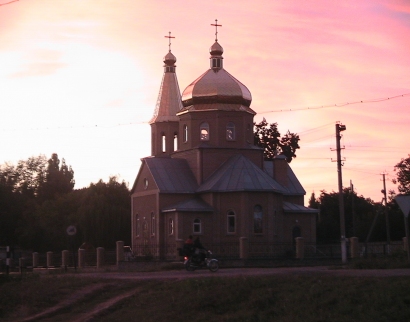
x: 354, y: 247
x: 81, y: 258
x: 21, y: 264
x: 405, y: 244
x: 64, y: 258
x: 300, y: 248
x: 120, y: 251
x: 35, y: 259
x: 49, y: 259
x: 100, y: 257
x: 243, y: 248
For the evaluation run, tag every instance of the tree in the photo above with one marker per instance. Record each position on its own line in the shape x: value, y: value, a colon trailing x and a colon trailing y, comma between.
x: 58, y: 179
x: 403, y: 175
x: 268, y: 137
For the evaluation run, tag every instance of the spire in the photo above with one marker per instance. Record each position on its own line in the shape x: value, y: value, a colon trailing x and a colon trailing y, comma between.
x: 216, y: 50
x: 169, y: 98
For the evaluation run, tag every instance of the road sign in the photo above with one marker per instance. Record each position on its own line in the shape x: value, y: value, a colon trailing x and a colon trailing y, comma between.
x: 404, y: 203
x: 71, y: 230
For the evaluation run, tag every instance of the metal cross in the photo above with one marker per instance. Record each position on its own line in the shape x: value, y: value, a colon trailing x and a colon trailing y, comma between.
x: 169, y: 37
x: 216, y: 28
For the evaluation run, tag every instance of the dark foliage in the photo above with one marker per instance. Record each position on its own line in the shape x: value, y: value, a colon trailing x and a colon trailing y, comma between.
x: 403, y: 175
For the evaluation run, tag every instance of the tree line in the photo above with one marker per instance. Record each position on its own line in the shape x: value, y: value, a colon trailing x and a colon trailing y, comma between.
x: 38, y: 203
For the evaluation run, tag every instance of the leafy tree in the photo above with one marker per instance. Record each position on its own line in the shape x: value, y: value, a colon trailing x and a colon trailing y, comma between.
x: 403, y: 175
x: 268, y: 137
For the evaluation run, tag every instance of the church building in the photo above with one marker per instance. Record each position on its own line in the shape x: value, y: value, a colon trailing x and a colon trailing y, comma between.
x: 206, y: 178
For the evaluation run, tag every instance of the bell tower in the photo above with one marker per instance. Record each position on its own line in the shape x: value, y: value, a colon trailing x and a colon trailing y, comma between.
x: 165, y: 122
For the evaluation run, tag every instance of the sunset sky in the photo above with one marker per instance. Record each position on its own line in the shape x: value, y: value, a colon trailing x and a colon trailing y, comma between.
x: 81, y: 78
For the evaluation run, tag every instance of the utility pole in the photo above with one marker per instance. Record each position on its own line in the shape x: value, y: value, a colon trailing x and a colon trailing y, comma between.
x: 386, y: 214
x: 353, y: 210
x: 339, y: 128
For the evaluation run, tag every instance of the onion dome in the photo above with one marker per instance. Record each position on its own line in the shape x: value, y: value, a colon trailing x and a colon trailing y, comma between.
x: 216, y: 85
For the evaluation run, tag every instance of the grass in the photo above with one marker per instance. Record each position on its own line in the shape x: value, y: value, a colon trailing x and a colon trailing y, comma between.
x: 279, y: 298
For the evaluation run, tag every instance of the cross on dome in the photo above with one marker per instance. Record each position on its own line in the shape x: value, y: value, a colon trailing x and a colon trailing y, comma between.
x: 169, y: 42
x: 216, y: 28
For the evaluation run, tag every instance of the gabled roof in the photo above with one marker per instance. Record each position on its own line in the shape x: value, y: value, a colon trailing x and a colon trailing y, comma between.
x: 171, y: 175
x: 294, y: 187
x: 289, y: 207
x: 191, y: 205
x: 240, y: 174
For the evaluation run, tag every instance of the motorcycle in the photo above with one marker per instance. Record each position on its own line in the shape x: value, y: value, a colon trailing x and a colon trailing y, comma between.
x: 194, y: 261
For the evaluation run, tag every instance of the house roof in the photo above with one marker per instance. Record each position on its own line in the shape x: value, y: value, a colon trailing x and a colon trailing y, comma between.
x: 171, y: 175
x: 240, y: 174
x: 194, y: 205
x: 294, y: 187
x: 289, y: 207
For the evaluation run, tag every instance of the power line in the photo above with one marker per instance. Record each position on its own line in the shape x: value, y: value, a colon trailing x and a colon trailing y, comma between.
x: 3, y: 4
x: 374, y: 100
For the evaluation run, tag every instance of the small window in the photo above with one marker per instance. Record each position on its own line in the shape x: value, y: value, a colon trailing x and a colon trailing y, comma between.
x: 257, y: 220
x: 197, y: 226
x: 231, y: 222
x: 164, y: 143
x: 171, y: 226
x: 204, y: 131
x: 145, y: 183
x: 185, y: 134
x: 137, y: 226
x: 175, y: 141
x: 230, y: 131
x: 152, y: 224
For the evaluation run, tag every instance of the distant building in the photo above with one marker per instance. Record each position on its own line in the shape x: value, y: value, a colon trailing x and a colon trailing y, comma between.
x: 206, y: 178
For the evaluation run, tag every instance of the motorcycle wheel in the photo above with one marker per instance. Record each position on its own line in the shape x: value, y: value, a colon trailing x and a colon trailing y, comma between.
x: 213, y: 265
x: 188, y: 266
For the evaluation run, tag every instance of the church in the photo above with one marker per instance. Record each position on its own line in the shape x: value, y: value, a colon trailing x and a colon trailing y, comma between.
x: 206, y: 178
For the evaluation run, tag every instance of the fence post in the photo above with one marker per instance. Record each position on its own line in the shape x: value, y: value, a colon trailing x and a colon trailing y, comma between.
x: 21, y: 264
x: 300, y: 248
x: 354, y: 247
x: 49, y: 259
x: 405, y: 244
x: 35, y: 259
x: 100, y: 257
x: 243, y: 248
x: 81, y: 258
x: 120, y: 251
x: 64, y: 259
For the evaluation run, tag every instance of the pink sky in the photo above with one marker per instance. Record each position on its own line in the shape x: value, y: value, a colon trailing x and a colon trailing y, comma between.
x: 81, y: 78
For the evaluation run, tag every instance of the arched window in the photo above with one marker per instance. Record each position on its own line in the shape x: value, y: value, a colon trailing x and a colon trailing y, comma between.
x: 197, y: 226
x: 204, y: 131
x: 185, y: 134
x: 152, y: 224
x: 230, y: 131
x: 231, y: 221
x: 175, y: 141
x: 257, y: 219
x: 137, y: 226
x: 171, y: 226
x: 163, y: 142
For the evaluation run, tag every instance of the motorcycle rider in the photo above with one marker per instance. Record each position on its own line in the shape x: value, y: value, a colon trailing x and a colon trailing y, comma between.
x: 199, y: 250
x: 189, y: 246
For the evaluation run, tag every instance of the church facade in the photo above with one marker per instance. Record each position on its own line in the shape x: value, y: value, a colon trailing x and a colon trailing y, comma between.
x: 206, y: 178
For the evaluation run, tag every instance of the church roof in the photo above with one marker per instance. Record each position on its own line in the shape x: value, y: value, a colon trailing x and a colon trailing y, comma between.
x: 240, y: 174
x: 172, y: 175
x: 294, y: 187
x: 294, y: 208
x: 194, y: 204
x: 169, y: 98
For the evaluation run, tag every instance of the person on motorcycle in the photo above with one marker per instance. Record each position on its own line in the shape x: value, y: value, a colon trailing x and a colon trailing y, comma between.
x: 200, y: 250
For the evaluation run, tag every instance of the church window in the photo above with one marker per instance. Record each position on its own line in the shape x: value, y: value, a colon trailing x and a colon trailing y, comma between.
x: 152, y: 224
x: 231, y: 222
x: 230, y: 131
x: 137, y: 226
x: 216, y: 63
x: 257, y: 219
x: 204, y: 131
x: 171, y: 226
x: 185, y: 134
x: 175, y: 141
x: 197, y: 226
x: 145, y: 183
x: 164, y: 143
